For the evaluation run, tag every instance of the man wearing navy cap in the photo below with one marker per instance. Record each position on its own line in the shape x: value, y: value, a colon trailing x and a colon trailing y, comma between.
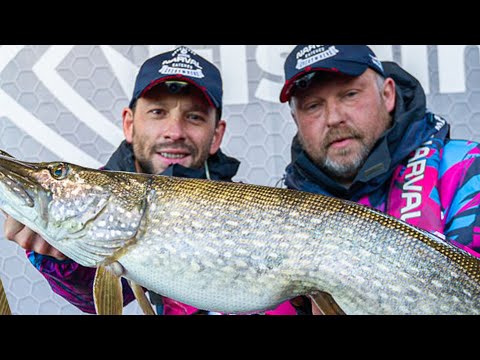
x: 365, y: 134
x: 169, y: 131
x: 173, y: 127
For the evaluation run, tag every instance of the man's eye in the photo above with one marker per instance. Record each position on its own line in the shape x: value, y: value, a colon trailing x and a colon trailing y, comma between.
x: 311, y: 106
x: 196, y: 117
x: 158, y: 111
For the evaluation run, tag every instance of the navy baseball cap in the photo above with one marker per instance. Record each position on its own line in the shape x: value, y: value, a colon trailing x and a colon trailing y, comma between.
x: 347, y: 59
x: 181, y: 64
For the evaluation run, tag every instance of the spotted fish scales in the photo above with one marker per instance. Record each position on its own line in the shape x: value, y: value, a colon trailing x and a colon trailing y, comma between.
x: 239, y: 248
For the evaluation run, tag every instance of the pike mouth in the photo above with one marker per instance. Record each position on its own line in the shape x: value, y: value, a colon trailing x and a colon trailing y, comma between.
x: 14, y: 182
x: 16, y: 188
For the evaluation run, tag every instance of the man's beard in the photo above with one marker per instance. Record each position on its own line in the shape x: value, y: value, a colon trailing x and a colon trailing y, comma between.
x: 144, y: 153
x: 345, y: 172
x: 342, y: 171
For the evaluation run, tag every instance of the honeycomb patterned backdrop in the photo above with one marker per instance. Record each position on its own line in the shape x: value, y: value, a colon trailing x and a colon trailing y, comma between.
x: 61, y: 102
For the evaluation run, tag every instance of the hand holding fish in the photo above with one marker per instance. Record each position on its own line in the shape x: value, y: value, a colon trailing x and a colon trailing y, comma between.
x: 28, y: 239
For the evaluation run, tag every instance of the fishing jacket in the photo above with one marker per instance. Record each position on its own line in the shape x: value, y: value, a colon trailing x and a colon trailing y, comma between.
x: 74, y: 282
x: 415, y: 172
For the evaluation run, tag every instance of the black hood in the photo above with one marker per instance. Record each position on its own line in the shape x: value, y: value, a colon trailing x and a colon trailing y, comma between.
x: 122, y: 159
x: 220, y: 166
x: 411, y: 127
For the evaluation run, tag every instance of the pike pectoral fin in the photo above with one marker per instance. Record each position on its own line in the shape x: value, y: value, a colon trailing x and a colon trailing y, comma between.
x: 142, y: 299
x: 107, y: 292
x: 324, y: 304
x: 4, y: 307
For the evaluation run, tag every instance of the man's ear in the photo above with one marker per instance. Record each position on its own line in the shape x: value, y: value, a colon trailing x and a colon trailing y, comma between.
x: 218, y: 136
x: 389, y: 94
x: 127, y: 116
x: 292, y: 103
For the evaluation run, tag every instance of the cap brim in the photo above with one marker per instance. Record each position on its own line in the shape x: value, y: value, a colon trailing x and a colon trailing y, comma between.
x: 343, y: 67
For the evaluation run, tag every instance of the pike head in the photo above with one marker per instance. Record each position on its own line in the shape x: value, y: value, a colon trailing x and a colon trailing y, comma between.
x: 89, y: 215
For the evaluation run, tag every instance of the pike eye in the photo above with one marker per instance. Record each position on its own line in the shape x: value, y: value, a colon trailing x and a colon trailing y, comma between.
x: 59, y: 171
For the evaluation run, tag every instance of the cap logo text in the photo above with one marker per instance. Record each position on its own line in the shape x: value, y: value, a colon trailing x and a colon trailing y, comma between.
x: 314, y: 53
x: 182, y: 63
x: 376, y: 62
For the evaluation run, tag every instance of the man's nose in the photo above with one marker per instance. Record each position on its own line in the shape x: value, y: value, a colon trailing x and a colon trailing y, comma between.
x: 334, y: 114
x: 174, y: 128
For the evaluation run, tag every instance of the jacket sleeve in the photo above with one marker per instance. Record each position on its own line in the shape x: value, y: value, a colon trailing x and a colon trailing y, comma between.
x: 72, y: 281
x: 461, y: 200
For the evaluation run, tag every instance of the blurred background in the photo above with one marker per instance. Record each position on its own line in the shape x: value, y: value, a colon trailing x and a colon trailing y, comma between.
x: 64, y: 102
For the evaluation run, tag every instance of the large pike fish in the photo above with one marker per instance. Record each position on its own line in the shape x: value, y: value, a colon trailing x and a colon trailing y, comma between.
x: 239, y: 248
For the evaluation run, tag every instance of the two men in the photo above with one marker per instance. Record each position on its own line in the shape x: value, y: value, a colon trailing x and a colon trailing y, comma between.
x: 173, y: 126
